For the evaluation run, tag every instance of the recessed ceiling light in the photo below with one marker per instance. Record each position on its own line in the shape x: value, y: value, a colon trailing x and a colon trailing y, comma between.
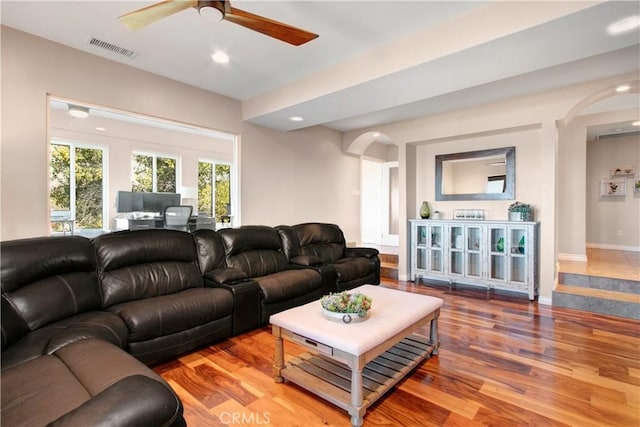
x: 296, y: 118
x: 623, y: 88
x: 624, y: 25
x: 636, y: 123
x: 376, y: 134
x: 78, y: 112
x: 220, y: 57
x: 101, y: 129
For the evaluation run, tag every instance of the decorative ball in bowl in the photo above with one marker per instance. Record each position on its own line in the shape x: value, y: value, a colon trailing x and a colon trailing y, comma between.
x: 346, y: 307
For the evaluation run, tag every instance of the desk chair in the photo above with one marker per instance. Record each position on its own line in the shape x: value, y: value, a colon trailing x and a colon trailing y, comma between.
x: 177, y: 217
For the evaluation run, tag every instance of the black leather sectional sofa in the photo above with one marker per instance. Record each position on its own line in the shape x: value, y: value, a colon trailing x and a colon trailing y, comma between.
x: 82, y: 319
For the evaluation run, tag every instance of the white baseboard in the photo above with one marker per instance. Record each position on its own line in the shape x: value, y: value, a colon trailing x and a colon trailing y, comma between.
x: 572, y: 257
x: 544, y: 300
x: 613, y: 247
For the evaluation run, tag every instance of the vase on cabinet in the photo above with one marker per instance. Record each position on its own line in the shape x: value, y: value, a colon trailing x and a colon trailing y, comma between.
x: 425, y: 212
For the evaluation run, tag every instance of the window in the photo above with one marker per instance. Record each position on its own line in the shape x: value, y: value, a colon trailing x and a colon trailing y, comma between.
x: 76, y: 184
x: 214, y: 189
x: 153, y: 173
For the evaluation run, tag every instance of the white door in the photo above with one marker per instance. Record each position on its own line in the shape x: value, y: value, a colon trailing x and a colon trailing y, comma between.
x: 390, y: 204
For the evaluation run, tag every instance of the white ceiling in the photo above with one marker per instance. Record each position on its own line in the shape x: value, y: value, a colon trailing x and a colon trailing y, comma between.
x: 373, y: 63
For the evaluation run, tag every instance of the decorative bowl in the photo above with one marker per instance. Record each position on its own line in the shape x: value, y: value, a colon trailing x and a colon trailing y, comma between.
x: 345, y: 307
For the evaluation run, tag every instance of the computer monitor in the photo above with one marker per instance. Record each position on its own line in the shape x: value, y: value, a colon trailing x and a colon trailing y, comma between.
x: 129, y: 201
x: 156, y: 202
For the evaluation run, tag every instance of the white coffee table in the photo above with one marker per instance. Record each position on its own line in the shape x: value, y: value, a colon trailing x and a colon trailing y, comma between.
x: 352, y: 365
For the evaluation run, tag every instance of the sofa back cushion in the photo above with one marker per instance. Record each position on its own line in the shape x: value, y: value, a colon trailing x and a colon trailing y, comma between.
x: 254, y: 249
x: 210, y: 250
x: 134, y: 265
x: 325, y: 241
x: 45, y: 279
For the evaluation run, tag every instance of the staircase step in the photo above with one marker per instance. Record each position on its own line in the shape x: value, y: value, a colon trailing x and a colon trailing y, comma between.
x: 598, y: 282
x: 594, y: 300
x: 388, y: 258
x: 389, y: 272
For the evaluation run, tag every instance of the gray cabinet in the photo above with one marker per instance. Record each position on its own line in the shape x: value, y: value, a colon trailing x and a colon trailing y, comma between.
x: 490, y: 254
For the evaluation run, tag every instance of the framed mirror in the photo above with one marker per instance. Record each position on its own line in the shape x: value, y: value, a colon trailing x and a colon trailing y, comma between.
x: 476, y: 175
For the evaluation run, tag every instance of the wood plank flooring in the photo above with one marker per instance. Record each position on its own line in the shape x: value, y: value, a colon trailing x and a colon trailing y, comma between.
x: 502, y: 362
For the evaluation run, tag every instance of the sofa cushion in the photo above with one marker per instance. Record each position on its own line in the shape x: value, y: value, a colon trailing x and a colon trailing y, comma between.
x: 254, y: 249
x: 158, y: 316
x: 43, y: 280
x: 47, y: 340
x: 322, y: 240
x: 135, y: 265
x: 352, y: 268
x: 39, y: 391
x: 288, y: 284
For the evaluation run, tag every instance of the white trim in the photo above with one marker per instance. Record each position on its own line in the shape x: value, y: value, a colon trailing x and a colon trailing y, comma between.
x: 403, y: 277
x: 613, y: 247
x: 544, y: 300
x: 572, y: 257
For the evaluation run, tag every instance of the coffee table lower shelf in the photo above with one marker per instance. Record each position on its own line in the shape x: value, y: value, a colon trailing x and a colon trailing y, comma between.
x: 331, y: 379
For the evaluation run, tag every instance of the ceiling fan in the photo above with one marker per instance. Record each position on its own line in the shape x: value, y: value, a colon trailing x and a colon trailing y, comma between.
x: 215, y: 11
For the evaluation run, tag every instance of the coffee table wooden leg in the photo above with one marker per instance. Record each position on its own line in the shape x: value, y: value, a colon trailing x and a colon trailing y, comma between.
x: 434, y: 336
x: 357, y: 411
x: 278, y: 360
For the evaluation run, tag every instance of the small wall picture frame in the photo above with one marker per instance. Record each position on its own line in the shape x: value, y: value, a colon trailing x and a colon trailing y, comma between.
x: 613, y: 187
x: 636, y: 184
x: 622, y: 171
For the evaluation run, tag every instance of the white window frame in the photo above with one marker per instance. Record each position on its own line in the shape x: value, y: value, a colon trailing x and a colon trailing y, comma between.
x: 232, y: 189
x: 154, y: 168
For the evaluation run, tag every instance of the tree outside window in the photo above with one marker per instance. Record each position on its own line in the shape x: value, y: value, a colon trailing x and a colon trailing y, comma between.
x: 76, y: 184
x: 214, y: 189
x: 152, y: 173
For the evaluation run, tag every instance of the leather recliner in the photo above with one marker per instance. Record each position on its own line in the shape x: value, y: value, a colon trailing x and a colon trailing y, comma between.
x: 62, y: 361
x: 257, y: 251
x: 151, y: 279
x: 322, y: 244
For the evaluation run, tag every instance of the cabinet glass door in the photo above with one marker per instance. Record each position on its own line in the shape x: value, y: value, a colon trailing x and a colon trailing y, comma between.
x: 517, y: 252
x: 436, y: 248
x: 421, y: 259
x: 456, y: 253
x: 421, y: 235
x: 474, y: 237
x: 497, y: 259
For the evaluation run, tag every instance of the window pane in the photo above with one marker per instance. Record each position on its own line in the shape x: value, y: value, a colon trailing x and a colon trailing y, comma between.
x: 60, y: 177
x: 223, y: 190
x: 88, y: 188
x: 205, y: 178
x: 142, y: 173
x: 166, y: 175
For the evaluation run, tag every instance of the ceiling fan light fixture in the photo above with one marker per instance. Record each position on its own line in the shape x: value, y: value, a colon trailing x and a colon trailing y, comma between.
x: 78, y: 111
x: 212, y: 11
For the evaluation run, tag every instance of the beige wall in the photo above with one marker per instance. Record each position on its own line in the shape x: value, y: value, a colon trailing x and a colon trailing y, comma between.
x: 284, y: 177
x: 608, y: 216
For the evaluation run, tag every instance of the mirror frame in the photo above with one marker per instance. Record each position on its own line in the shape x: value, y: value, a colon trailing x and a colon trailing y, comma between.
x: 510, y: 172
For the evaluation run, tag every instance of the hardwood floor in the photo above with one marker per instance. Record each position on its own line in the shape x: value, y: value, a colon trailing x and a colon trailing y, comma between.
x: 502, y: 362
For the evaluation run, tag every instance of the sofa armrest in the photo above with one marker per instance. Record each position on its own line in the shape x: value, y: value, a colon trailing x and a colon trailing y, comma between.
x: 306, y: 260
x: 135, y: 400
x: 225, y: 275
x: 246, y: 302
x: 363, y: 252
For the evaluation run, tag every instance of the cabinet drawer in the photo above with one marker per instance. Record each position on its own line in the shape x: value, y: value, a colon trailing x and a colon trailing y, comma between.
x: 314, y: 345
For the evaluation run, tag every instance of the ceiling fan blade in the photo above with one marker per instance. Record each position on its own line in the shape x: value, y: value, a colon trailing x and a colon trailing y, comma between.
x: 147, y: 15
x: 269, y: 27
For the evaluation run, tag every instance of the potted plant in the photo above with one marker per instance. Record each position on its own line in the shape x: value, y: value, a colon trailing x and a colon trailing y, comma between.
x: 519, y: 211
x: 346, y: 307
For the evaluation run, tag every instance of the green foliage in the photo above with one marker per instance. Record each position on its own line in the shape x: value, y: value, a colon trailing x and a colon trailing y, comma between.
x: 142, y: 168
x: 166, y: 175
x: 207, y: 178
x: 87, y: 179
x: 345, y: 302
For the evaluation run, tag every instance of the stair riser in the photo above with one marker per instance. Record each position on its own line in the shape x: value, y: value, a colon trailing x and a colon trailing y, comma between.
x: 597, y: 305
x: 604, y: 283
x: 388, y: 258
x: 389, y: 273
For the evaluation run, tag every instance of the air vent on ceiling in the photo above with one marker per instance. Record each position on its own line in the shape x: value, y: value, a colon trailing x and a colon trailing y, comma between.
x: 111, y: 47
x: 619, y: 134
